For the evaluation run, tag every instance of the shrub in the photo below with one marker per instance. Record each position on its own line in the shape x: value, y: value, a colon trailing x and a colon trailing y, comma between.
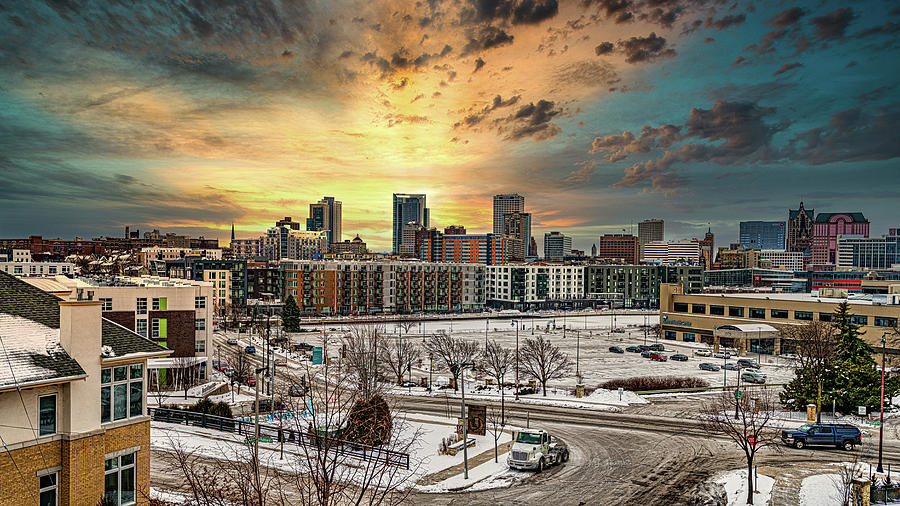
x: 642, y: 383
x: 208, y: 407
x: 369, y: 422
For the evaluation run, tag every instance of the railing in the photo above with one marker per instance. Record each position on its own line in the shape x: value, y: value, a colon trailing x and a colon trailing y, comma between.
x: 885, y: 493
x: 281, y: 435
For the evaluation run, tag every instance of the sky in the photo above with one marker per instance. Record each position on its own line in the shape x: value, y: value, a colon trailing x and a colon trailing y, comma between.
x: 190, y: 115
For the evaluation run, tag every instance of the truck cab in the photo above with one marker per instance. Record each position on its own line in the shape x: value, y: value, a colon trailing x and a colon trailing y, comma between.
x: 533, y: 449
x: 842, y: 435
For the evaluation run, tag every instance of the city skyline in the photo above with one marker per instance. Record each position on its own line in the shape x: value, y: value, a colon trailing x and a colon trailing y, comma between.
x: 190, y: 118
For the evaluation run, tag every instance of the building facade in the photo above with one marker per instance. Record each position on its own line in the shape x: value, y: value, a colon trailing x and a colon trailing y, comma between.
x: 407, y: 208
x: 517, y: 225
x: 325, y: 216
x: 672, y: 252
x: 781, y: 259
x: 470, y: 248
x: 229, y: 278
x: 760, y: 235
x: 827, y: 228
x: 740, y: 258
x: 557, y: 246
x: 869, y: 253
x: 356, y: 246
x: 504, y: 204
x: 650, y: 231
x: 37, y: 268
x: 621, y: 246
x: 800, y: 230
x: 73, y: 419
x: 535, y: 286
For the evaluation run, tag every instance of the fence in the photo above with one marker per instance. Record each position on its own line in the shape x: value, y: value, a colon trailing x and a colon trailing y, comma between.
x: 281, y: 435
x: 883, y: 493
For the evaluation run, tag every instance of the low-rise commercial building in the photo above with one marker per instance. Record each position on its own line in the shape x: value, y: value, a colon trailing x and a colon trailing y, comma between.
x: 73, y: 418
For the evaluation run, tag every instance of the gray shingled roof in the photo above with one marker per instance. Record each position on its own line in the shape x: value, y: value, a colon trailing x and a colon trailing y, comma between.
x: 29, y: 326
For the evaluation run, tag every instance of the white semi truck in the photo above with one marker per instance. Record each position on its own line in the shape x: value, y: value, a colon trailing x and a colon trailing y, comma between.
x: 533, y: 449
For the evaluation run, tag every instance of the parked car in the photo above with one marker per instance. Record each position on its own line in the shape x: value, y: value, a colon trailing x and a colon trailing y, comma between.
x: 842, y: 435
x: 618, y: 331
x: 722, y: 354
x: 280, y: 361
x: 616, y: 349
x: 731, y: 366
x: 222, y: 366
x: 296, y: 391
x: 408, y: 384
x: 706, y: 366
x: 644, y: 347
x: 659, y: 357
x: 250, y: 382
x: 746, y: 363
x: 633, y: 349
x: 680, y: 357
x: 231, y: 340
x: 703, y: 353
x: 250, y: 350
x: 754, y: 377
x: 656, y: 347
x: 646, y: 354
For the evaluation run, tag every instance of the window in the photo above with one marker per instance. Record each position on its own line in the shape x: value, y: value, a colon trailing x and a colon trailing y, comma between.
x: 47, y: 410
x: 141, y: 327
x: 200, y: 302
x: 160, y: 303
x: 159, y: 328
x: 200, y: 324
x: 859, y: 320
x: 717, y: 310
x: 825, y: 317
x: 688, y: 337
x: 107, y: 304
x: 737, y: 312
x: 698, y: 308
x: 670, y: 335
x: 119, y: 479
x: 779, y: 313
x: 121, y: 392
x: 756, y: 312
x: 200, y: 346
x: 49, y: 486
x: 142, y: 306
x: 681, y: 307
x: 17, y: 269
x: 803, y: 315
x: 881, y: 321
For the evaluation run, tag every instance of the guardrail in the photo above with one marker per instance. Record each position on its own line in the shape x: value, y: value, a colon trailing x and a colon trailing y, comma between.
x: 281, y: 435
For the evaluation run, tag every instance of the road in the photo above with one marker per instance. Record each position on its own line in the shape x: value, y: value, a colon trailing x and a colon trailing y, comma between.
x: 625, y: 458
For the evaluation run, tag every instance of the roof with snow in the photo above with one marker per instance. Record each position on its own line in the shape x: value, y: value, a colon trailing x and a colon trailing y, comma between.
x: 29, y: 331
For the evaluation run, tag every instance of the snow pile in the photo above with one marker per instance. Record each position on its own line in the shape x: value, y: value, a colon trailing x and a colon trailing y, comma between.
x: 735, y: 484
x: 604, y: 396
x: 821, y: 490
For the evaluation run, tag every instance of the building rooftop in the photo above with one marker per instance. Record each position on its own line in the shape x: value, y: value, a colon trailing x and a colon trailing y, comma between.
x: 865, y: 299
x: 129, y: 281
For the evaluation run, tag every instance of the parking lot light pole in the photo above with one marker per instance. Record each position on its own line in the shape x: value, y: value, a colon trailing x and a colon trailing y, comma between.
x: 881, y: 415
x: 517, y: 362
x: 577, y: 353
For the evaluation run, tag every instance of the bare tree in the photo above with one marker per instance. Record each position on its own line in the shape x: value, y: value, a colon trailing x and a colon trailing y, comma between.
x: 543, y: 361
x: 452, y: 352
x: 361, y: 356
x: 495, y: 361
x: 752, y: 430
x: 817, y: 344
x: 397, y: 355
x: 495, y: 425
x: 405, y: 325
x: 241, y: 367
x: 186, y: 373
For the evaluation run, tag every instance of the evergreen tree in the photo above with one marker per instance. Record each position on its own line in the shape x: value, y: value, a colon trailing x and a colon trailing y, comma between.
x: 290, y: 315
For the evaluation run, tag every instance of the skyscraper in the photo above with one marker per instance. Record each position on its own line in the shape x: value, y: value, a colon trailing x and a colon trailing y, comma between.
x: 828, y: 227
x: 505, y: 204
x: 325, y: 215
x: 760, y: 235
x: 800, y: 229
x: 708, y: 248
x: 407, y: 208
x: 557, y: 246
x: 650, y: 230
x: 518, y: 226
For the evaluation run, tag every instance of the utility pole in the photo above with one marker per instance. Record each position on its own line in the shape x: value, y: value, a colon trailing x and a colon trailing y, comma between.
x: 256, y: 432
x: 881, y: 415
x: 577, y: 355
x: 462, y: 378
x: 485, y: 333
x: 517, y: 362
x: 430, y: 370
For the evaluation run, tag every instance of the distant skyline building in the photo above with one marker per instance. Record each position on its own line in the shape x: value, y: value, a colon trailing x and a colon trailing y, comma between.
x: 708, y: 249
x: 760, y: 235
x: 506, y: 203
x: 518, y: 227
x: 557, y: 246
x: 325, y: 215
x: 407, y: 208
x: 455, y: 230
x: 673, y: 252
x: 869, y: 253
x: 827, y: 228
x: 800, y: 230
x: 650, y: 230
x: 780, y: 259
x: 622, y: 246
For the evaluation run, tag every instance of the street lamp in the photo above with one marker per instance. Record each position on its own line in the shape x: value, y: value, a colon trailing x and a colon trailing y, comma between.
x: 517, y: 362
x: 881, y: 415
x: 462, y: 377
x: 577, y: 353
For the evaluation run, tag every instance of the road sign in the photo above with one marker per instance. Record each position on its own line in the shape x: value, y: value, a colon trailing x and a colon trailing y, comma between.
x: 317, y: 355
x: 871, y: 422
x: 737, y: 394
x: 861, y: 410
x: 751, y: 439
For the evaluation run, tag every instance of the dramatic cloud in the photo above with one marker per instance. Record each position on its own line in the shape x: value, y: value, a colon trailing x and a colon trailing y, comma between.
x: 532, y: 120
x: 509, y: 11
x: 852, y: 135
x: 725, y: 22
x: 645, y: 49
x: 787, y: 17
x: 604, y: 48
x: 478, y: 64
x: 786, y: 67
x: 485, y: 37
x: 833, y: 25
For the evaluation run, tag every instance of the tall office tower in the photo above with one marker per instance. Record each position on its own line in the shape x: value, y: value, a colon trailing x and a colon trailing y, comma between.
x: 505, y: 204
x: 760, y: 235
x: 518, y: 226
x: 325, y: 215
x: 407, y: 208
x: 410, y: 242
x: 621, y: 246
x: 828, y: 227
x: 650, y: 230
x: 800, y: 229
x: 557, y: 246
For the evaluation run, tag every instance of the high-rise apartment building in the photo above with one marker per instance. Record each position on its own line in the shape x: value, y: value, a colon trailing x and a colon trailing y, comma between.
x: 760, y: 235
x: 325, y: 215
x: 621, y: 246
x: 800, y: 229
x: 407, y: 208
x: 505, y: 204
x: 518, y: 227
x: 557, y: 246
x: 827, y: 228
x: 650, y: 230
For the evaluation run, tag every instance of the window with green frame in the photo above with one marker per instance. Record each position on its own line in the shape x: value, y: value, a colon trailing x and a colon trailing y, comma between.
x: 803, y: 315
x: 756, y: 312
x: 859, y: 320
x: 735, y: 311
x: 779, y: 313
x: 717, y: 310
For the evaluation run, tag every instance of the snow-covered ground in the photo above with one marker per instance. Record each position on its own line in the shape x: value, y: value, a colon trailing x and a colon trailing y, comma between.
x: 735, y: 484
x: 600, y: 399
x: 821, y: 490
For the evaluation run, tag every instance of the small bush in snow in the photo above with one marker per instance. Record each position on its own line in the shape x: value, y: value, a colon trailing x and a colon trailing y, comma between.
x: 642, y: 383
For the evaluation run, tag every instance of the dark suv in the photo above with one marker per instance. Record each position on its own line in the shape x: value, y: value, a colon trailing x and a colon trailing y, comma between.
x: 842, y: 435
